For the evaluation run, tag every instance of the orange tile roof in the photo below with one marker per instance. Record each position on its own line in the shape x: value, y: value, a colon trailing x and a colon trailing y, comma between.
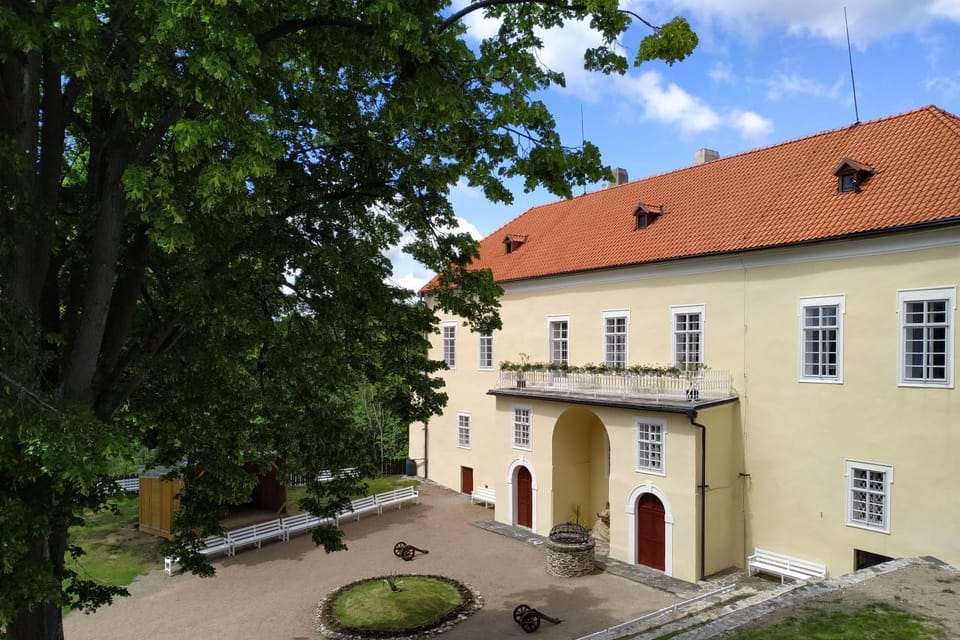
x: 779, y: 195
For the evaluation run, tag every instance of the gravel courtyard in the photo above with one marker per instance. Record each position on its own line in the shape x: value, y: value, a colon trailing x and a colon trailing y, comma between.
x: 273, y: 592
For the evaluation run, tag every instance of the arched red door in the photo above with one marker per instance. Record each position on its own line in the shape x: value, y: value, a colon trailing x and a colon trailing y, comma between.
x: 524, y: 498
x: 651, y: 536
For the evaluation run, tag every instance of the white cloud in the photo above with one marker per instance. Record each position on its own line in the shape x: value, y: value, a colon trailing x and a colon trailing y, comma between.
x: 946, y: 85
x: 667, y: 104
x: 784, y: 85
x: 751, y: 126
x: 464, y: 190
x: 412, y: 280
x: 721, y: 73
x: 869, y: 20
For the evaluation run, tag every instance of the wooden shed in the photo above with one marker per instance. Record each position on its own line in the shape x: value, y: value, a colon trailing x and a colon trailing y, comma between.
x: 158, y: 499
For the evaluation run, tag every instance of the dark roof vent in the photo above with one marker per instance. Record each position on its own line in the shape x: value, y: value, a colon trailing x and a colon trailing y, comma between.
x: 646, y: 214
x: 514, y: 241
x: 851, y: 175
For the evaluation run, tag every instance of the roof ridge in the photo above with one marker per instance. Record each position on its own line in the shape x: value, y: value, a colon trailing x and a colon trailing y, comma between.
x: 948, y: 119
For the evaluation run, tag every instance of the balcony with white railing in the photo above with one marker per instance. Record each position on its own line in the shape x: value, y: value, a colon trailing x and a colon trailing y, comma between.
x: 686, y: 389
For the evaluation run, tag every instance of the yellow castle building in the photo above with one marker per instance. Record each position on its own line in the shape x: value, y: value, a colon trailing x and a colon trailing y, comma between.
x: 754, y: 352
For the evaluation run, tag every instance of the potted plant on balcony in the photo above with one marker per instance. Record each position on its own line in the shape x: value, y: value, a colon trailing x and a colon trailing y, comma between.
x: 523, y: 367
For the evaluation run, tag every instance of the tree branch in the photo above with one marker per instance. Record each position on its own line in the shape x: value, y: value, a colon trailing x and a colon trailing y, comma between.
x: 287, y: 27
x: 153, y: 139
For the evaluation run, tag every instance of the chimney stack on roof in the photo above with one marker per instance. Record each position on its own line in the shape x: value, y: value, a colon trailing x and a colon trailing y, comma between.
x: 619, y: 177
x: 705, y: 155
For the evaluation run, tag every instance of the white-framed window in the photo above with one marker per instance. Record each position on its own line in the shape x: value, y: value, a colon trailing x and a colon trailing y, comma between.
x: 449, y: 333
x: 868, y: 495
x: 616, y: 326
x: 522, y: 428
x: 650, y: 435
x: 821, y: 338
x: 558, y: 334
x: 463, y: 430
x: 688, y: 335
x: 926, y: 321
x: 486, y: 352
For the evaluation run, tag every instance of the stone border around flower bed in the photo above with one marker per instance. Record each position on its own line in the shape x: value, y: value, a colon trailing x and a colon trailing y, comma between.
x: 472, y: 602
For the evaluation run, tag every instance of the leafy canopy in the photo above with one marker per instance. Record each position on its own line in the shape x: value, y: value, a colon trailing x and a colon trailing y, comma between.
x: 196, y: 198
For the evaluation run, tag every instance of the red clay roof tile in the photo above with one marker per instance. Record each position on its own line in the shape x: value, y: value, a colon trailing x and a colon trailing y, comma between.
x: 779, y: 195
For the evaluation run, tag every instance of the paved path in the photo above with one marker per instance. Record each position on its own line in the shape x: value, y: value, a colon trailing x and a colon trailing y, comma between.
x: 273, y: 592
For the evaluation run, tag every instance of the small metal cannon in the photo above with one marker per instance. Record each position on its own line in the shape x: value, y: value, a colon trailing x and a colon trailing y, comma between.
x: 529, y: 619
x: 406, y: 551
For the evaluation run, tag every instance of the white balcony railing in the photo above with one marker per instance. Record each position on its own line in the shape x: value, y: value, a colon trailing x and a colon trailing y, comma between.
x: 701, y: 386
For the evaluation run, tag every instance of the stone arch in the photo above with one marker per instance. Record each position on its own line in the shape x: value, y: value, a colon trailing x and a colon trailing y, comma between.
x: 631, y: 511
x: 512, y: 470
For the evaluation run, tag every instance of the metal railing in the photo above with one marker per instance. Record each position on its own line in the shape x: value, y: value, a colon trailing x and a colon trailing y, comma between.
x: 707, y: 384
x: 659, y: 612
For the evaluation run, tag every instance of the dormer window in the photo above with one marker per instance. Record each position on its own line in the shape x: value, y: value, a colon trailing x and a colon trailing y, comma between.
x: 513, y: 241
x: 851, y: 175
x: 646, y: 214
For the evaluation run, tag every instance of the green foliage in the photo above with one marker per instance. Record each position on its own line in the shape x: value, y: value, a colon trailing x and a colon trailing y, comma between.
x: 196, y: 202
x: 671, y: 43
x: 395, y: 603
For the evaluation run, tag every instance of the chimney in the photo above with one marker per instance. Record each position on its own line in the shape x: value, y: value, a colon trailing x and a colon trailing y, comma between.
x: 619, y: 177
x: 705, y: 155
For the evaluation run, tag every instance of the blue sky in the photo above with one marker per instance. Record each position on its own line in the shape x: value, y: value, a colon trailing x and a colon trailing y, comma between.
x: 766, y: 71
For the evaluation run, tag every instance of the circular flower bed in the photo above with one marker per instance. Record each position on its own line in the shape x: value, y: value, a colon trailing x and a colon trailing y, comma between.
x: 396, y: 606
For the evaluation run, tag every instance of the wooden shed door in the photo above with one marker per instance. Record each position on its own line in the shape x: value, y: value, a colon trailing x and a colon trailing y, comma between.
x: 524, y: 498
x: 466, y: 479
x: 650, y: 532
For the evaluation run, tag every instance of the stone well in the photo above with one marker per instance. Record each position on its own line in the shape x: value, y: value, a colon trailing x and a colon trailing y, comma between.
x: 570, y: 551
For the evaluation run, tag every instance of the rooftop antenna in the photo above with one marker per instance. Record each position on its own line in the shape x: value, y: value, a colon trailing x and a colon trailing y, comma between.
x: 853, y: 82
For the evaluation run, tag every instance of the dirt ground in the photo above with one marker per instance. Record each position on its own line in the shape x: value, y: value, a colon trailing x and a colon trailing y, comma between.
x: 273, y: 592
x: 926, y: 589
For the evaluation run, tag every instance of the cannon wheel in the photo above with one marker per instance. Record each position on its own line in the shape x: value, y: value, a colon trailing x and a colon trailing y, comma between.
x: 530, y: 621
x: 398, y: 548
x: 408, y: 553
x: 519, y: 611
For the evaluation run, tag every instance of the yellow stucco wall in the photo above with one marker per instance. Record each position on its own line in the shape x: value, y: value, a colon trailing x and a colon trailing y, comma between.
x: 791, y: 438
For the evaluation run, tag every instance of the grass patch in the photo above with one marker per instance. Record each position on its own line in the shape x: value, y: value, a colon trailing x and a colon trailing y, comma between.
x: 876, y: 621
x: 116, y: 551
x: 373, y: 605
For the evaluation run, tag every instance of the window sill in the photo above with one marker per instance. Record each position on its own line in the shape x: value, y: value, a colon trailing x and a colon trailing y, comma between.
x: 925, y: 385
x: 652, y: 472
x: 857, y: 525
x: 464, y: 447
x: 821, y: 380
x: 519, y: 448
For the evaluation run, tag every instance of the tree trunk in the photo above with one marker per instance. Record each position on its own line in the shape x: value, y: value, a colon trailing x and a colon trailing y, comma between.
x: 44, y: 622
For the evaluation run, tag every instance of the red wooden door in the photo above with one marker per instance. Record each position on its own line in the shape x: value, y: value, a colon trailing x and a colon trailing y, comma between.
x: 466, y: 479
x: 651, y: 536
x: 524, y: 498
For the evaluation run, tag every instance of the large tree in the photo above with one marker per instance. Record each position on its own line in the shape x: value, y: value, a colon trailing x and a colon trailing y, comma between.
x: 196, y: 197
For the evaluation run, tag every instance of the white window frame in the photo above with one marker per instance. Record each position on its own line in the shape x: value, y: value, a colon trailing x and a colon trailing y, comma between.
x: 550, y: 322
x: 449, y: 357
x: 850, y: 466
x: 662, y: 444
x: 948, y: 293
x: 613, y: 315
x: 464, y: 426
x: 480, y: 364
x: 679, y: 310
x: 806, y: 302
x: 529, y: 412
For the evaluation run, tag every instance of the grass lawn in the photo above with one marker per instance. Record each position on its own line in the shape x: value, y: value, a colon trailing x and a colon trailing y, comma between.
x: 116, y: 551
x: 877, y: 621
x: 372, y: 605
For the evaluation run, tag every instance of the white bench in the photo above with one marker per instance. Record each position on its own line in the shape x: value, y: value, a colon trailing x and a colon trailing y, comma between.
x: 397, y: 497
x: 784, y: 566
x: 209, y: 546
x: 359, y: 507
x: 301, y: 522
x: 254, y: 534
x: 485, y: 495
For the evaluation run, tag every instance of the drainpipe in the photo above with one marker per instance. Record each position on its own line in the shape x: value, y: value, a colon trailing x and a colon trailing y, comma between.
x: 426, y: 443
x: 703, y: 486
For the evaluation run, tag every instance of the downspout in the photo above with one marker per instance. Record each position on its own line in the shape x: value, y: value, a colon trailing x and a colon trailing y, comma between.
x: 426, y: 443
x: 703, y: 486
